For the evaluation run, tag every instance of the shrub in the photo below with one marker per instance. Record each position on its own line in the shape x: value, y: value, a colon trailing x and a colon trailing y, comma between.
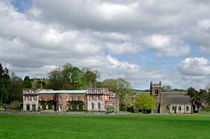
x: 75, y: 104
x: 15, y: 105
x: 110, y: 108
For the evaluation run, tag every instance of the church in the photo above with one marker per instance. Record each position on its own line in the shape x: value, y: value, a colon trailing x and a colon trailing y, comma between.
x: 170, y: 102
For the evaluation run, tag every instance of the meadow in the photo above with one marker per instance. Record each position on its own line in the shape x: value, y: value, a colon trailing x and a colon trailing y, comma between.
x: 103, y: 126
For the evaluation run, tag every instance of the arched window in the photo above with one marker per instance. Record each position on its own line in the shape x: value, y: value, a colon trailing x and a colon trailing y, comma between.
x: 156, y: 92
x: 187, y: 108
x: 180, y: 108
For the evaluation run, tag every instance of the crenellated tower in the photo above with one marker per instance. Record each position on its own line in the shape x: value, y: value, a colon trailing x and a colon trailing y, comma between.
x: 155, y: 91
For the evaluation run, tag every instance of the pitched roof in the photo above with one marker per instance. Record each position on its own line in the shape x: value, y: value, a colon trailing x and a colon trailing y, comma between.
x: 177, y: 100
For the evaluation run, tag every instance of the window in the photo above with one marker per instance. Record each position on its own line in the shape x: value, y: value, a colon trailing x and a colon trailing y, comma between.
x: 78, y: 107
x: 41, y: 98
x: 72, y: 98
x: 167, y: 108
x: 77, y: 98
x: 98, y: 97
x: 41, y: 107
x: 173, y: 107
x: 71, y: 106
x: 60, y: 108
x: 60, y: 98
x: 180, y: 108
x: 83, y: 98
x: 156, y: 92
x: 67, y: 107
x: 83, y: 107
x: 47, y: 107
x: 33, y: 99
x: 99, y: 105
x: 92, y: 105
x: 187, y: 108
x: 46, y: 98
x: 91, y: 97
x: 53, y: 107
x: 66, y: 98
x: 27, y: 98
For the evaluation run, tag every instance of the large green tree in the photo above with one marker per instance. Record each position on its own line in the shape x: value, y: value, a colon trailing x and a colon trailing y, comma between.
x: 27, y: 82
x: 119, y: 86
x: 91, y: 77
x: 4, y: 84
x: 196, y: 98
x: 15, y: 89
x: 144, y: 102
x: 67, y: 77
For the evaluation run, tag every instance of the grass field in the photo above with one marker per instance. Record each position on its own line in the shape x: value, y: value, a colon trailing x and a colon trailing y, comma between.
x: 101, y: 127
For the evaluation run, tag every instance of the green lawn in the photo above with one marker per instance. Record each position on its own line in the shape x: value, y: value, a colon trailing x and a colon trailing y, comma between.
x: 95, y: 126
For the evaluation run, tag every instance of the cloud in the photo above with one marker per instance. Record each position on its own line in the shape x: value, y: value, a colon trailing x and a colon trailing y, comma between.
x: 195, y: 66
x: 98, y: 33
x: 166, y: 46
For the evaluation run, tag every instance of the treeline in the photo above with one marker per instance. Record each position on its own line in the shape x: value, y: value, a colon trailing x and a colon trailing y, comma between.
x: 200, y: 99
x: 66, y: 77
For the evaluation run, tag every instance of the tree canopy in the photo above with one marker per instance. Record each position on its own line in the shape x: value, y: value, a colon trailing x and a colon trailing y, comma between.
x: 144, y: 101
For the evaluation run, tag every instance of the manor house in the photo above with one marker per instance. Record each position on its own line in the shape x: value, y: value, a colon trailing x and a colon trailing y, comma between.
x: 93, y: 99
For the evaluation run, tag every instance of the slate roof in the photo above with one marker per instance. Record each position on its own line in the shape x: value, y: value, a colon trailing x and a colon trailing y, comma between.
x: 178, y: 100
x: 175, y: 98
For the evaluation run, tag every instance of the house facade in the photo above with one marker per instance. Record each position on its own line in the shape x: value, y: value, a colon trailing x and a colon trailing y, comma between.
x: 93, y: 99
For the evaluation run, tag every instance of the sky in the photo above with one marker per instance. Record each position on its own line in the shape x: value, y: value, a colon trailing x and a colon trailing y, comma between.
x: 138, y: 40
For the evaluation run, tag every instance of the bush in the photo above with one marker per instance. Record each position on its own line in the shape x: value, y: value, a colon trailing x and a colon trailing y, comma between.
x: 110, y: 108
x: 15, y: 105
x: 75, y: 104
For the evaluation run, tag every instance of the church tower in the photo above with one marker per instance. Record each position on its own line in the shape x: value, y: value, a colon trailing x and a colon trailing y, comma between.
x: 155, y: 91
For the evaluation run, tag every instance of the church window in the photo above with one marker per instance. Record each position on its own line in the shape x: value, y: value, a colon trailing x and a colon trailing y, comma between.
x: 187, y: 108
x: 173, y: 107
x: 156, y: 92
x: 180, y: 108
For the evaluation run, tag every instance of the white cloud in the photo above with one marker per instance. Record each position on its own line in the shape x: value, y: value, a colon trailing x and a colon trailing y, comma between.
x: 92, y: 32
x: 195, y: 66
x: 166, y: 46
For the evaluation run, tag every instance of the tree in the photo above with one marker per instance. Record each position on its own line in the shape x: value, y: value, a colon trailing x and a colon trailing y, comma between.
x: 15, y: 89
x: 91, y: 77
x: 4, y: 84
x: 144, y: 102
x: 119, y: 86
x: 67, y: 77
x: 203, y: 97
x: 128, y: 102
x: 27, y: 82
x: 195, y: 98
